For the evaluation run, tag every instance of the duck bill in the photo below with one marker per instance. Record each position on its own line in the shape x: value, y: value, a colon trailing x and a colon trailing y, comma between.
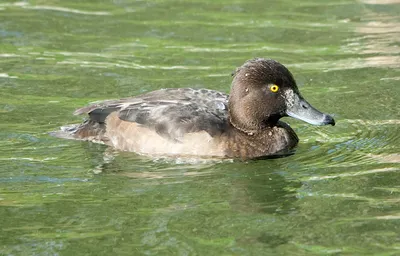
x: 299, y: 108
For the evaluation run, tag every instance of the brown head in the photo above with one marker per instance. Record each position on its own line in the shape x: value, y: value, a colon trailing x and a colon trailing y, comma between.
x: 262, y: 92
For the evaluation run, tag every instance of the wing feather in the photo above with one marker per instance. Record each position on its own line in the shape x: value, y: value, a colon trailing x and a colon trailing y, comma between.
x: 170, y: 112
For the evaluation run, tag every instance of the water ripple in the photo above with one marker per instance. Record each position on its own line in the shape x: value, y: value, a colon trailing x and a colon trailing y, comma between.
x: 131, y: 65
x: 5, y: 75
x: 351, y: 174
x: 250, y: 48
x: 53, y: 8
x: 358, y: 143
x: 352, y: 63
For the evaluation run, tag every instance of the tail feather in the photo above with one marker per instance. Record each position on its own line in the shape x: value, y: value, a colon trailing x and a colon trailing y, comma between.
x: 89, y: 130
x: 66, y: 132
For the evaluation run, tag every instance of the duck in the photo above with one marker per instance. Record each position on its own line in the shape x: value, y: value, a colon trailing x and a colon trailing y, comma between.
x: 205, y: 123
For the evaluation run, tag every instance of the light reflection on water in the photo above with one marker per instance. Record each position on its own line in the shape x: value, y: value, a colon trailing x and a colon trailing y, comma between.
x: 337, y: 195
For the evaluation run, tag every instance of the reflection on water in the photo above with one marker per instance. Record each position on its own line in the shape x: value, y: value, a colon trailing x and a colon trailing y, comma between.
x: 381, y: 1
x: 26, y: 5
x: 379, y: 34
x: 390, y: 158
x: 337, y: 195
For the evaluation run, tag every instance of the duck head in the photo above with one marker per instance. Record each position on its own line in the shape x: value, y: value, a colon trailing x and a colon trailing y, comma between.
x: 262, y: 92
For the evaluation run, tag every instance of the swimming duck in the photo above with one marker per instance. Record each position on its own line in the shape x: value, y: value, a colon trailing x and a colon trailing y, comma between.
x: 205, y: 123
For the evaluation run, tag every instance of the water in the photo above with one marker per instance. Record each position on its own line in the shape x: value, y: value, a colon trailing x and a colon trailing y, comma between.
x: 338, y: 195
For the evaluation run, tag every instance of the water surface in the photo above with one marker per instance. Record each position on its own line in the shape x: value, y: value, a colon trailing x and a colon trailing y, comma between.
x: 338, y: 195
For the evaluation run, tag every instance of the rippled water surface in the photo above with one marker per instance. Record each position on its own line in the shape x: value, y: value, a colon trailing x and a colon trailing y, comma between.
x: 338, y: 195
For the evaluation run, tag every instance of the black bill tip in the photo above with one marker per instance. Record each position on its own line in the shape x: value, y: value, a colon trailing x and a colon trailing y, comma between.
x: 328, y: 120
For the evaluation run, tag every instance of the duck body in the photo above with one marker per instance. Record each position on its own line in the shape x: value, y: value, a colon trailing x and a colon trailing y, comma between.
x: 202, y: 122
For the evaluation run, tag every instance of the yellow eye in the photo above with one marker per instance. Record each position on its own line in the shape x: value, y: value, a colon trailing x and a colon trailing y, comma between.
x: 274, y: 88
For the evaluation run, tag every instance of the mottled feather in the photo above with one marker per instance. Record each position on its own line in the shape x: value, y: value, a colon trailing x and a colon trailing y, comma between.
x: 170, y: 112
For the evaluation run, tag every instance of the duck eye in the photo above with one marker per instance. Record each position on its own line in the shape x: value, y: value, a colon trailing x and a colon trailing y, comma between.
x: 274, y: 88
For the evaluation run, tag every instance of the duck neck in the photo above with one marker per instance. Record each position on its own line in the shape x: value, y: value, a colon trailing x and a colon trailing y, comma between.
x: 251, y: 126
x: 246, y: 130
x: 264, y: 142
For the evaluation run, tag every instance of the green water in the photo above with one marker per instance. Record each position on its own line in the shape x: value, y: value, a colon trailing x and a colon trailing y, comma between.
x: 338, y: 195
